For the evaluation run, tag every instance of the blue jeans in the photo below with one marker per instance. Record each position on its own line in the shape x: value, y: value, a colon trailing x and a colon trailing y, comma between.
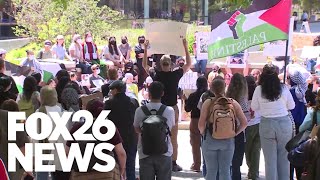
x: 201, y: 66
x: 131, y: 151
x: 274, y: 135
x: 238, y: 156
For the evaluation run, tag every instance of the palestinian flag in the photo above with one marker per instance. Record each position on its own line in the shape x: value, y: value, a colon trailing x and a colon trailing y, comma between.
x: 262, y: 22
x: 19, y: 73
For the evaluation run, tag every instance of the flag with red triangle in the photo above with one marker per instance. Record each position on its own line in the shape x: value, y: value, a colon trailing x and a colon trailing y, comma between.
x: 261, y: 22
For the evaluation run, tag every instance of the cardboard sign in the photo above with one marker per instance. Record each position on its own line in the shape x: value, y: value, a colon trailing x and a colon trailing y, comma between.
x: 202, y: 45
x: 188, y: 80
x: 165, y: 37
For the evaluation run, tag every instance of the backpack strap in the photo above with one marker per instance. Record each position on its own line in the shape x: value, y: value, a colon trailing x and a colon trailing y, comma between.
x: 161, y: 110
x: 145, y: 110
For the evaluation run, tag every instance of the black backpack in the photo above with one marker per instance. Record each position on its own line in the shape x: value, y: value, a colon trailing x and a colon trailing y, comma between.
x: 155, y: 131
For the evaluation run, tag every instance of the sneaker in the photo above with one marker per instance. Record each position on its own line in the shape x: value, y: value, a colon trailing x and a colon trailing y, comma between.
x: 195, y: 169
x: 176, y: 168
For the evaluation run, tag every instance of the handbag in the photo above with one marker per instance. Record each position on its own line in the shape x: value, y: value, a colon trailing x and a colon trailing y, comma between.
x: 310, y: 169
x: 302, y: 136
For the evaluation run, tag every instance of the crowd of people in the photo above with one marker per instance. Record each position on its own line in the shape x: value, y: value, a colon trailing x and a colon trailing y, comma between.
x: 265, y: 113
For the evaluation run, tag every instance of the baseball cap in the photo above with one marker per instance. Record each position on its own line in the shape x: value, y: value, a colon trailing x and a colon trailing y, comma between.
x: 119, y: 85
x: 47, y: 43
x: 2, y: 51
x: 95, y: 66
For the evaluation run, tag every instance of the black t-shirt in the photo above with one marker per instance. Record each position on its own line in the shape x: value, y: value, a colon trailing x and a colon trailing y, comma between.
x: 170, y: 80
x: 13, y: 90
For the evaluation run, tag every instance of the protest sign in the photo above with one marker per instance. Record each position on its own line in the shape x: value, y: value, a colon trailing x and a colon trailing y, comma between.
x: 188, y: 80
x: 202, y: 45
x: 310, y: 52
x: 165, y: 37
x: 85, y: 81
x: 237, y: 60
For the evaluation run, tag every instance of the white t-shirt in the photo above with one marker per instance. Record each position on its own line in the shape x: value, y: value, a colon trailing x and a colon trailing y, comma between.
x: 139, y: 117
x: 77, y: 51
x: 270, y: 109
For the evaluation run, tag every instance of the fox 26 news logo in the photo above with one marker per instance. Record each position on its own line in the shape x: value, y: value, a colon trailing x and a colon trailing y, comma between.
x: 34, y: 157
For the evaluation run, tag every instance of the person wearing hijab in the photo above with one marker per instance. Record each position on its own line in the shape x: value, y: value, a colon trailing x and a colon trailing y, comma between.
x: 298, y: 89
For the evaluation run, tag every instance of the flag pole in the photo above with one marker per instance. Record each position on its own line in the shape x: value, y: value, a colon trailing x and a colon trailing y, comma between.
x: 286, y: 62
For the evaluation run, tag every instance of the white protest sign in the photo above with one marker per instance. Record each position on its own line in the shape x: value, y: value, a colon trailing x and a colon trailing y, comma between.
x: 310, y: 52
x: 188, y: 80
x: 165, y: 37
x: 238, y: 60
x: 278, y: 48
x: 202, y: 45
x: 85, y: 80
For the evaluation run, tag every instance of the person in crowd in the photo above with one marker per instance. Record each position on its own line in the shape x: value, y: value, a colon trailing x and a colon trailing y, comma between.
x: 295, y: 22
x: 13, y: 90
x: 49, y: 103
x: 58, y: 50
x: 5, y: 86
x: 31, y: 62
x: 129, y: 68
x: 96, y: 81
x: 253, y: 144
x: 310, y: 95
x: 145, y: 91
x: 307, y: 156
x: 95, y: 107
x: 238, y: 90
x: 75, y: 48
x: 29, y: 99
x: 112, y: 76
x: 61, y: 85
x: 304, y: 16
x: 46, y: 52
x: 155, y: 166
x: 122, y: 115
x: 140, y: 51
x: 273, y: 100
x: 10, y: 105
x: 70, y: 102
x: 21, y: 140
x: 112, y: 53
x: 61, y: 73
x: 125, y: 49
x: 76, y: 53
x: 3, y: 171
x: 132, y: 89
x: 216, y: 70
x: 170, y: 79
x: 307, y: 122
x: 298, y: 90
x: 218, y: 153
x: 52, y: 83
x: 38, y: 77
x: 90, y: 49
x: 195, y: 136
x: 256, y: 73
x: 227, y: 79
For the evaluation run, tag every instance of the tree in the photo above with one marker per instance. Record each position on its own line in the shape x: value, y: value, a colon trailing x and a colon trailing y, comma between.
x: 45, y: 19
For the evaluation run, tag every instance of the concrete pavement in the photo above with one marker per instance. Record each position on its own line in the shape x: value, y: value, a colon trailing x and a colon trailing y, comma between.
x: 185, y: 161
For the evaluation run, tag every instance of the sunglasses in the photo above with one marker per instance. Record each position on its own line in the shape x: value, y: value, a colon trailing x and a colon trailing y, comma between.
x: 96, y: 68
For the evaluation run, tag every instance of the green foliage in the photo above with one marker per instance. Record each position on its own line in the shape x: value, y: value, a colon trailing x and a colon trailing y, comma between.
x: 229, y: 5
x: 14, y: 55
x: 45, y: 19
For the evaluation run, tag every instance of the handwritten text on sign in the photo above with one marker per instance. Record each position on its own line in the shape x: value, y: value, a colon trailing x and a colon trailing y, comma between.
x: 188, y: 81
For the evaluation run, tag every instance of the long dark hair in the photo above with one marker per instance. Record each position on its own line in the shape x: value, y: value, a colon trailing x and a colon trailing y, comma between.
x: 202, y: 84
x: 115, y: 47
x: 271, y: 87
x: 29, y: 87
x: 251, y: 86
x: 238, y: 87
